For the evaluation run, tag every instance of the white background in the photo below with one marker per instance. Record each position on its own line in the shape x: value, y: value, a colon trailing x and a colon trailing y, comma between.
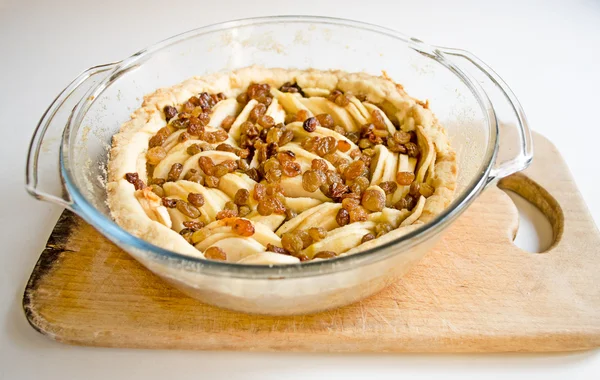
x: 549, y: 52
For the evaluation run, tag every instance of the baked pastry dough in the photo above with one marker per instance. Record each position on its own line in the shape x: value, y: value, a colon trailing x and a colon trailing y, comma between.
x: 278, y: 166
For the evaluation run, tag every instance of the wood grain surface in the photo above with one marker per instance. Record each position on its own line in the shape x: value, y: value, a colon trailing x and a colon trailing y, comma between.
x: 475, y: 292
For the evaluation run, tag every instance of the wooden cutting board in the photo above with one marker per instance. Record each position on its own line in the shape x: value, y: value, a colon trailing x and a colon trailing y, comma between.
x: 475, y: 292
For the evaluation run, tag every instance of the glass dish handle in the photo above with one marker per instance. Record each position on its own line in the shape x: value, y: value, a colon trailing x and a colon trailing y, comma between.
x: 43, y: 178
x: 515, y: 141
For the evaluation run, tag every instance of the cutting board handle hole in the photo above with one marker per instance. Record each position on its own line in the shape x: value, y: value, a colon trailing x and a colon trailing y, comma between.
x: 541, y: 219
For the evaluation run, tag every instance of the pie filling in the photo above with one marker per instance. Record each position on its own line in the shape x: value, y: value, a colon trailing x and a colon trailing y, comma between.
x: 280, y: 173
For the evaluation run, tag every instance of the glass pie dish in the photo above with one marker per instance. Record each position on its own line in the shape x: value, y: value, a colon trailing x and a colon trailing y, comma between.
x: 484, y: 121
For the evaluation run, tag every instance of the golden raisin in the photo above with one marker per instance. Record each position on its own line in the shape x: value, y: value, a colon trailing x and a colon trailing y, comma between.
x: 354, y: 170
x: 193, y: 149
x: 242, y: 227
x: 224, y: 214
x: 193, y: 225
x: 358, y: 214
x: 242, y: 196
x: 156, y: 140
x: 389, y: 187
x: 342, y: 100
x: 244, y: 210
x: 350, y: 203
x: 156, y: 155
x: 291, y: 168
x: 157, y: 190
x: 402, y: 137
x: 378, y: 120
x: 259, y: 191
x: 215, y: 253
x: 286, y: 136
x: 291, y: 242
x: 317, y: 233
x: 412, y: 149
x: 266, y: 121
x: 305, y: 237
x: 343, y: 146
x: 311, y: 181
x: 324, y: 255
x: 319, y: 164
x: 405, y: 178
x: 302, y: 115
x: 227, y: 122
x: 325, y: 120
x: 373, y: 200
x: 383, y: 228
x: 196, y: 199
x: 211, y: 181
x: 219, y: 170
x: 187, y: 209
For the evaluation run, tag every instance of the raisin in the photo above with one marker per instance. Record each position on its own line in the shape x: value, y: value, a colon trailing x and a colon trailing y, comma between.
x: 354, y: 170
x: 196, y: 199
x: 389, y: 187
x: 227, y: 122
x: 193, y: 149
x: 257, y: 112
x: 310, y: 124
x: 170, y: 112
x: 358, y: 214
x: 193, y: 225
x: 291, y: 168
x: 302, y: 115
x: 156, y: 155
x: 378, y: 120
x: 405, y: 178
x: 211, y: 181
x: 156, y: 140
x: 187, y: 209
x: 325, y: 120
x: 343, y: 217
x: 206, y: 164
x: 215, y: 253
x: 242, y: 196
x: 343, y: 146
x: 259, y: 191
x: 412, y: 149
x: 175, y: 172
x: 266, y: 121
x: 311, y: 181
x: 286, y: 137
x: 367, y: 237
x: 317, y: 233
x: 276, y: 249
x: 158, y: 190
x: 373, y: 200
x: 324, y: 255
x: 169, y: 203
x: 291, y: 242
x: 224, y: 214
x: 319, y: 164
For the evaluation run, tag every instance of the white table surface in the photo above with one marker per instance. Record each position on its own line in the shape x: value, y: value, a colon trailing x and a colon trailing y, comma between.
x: 549, y: 52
